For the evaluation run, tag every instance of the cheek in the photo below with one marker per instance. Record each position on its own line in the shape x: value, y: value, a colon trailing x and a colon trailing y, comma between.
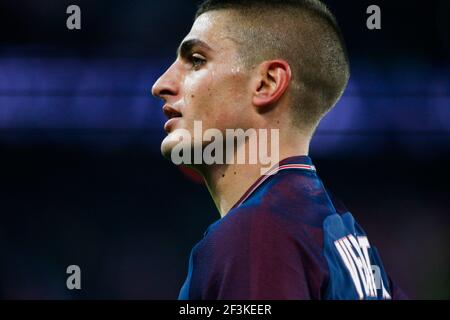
x: 233, y: 101
x: 198, y: 95
x: 215, y: 98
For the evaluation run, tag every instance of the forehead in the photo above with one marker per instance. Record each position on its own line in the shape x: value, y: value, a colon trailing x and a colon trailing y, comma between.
x: 213, y: 28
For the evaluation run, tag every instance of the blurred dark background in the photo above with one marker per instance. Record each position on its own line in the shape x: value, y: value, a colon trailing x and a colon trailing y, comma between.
x: 82, y: 180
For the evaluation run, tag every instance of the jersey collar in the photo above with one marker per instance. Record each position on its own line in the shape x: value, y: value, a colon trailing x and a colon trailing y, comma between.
x: 292, y: 163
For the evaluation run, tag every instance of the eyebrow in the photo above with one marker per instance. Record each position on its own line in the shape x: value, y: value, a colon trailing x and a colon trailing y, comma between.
x: 187, y: 46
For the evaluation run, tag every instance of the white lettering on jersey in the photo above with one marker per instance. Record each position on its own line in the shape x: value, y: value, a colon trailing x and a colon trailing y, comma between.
x: 355, y: 255
x: 350, y: 266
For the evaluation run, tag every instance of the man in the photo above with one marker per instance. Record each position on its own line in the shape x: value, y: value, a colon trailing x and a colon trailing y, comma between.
x: 267, y: 65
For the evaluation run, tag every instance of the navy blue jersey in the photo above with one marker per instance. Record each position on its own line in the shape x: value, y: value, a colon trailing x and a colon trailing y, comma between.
x: 287, y: 238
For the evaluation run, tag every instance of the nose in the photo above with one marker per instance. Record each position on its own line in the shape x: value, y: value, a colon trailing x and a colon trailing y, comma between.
x: 168, y: 84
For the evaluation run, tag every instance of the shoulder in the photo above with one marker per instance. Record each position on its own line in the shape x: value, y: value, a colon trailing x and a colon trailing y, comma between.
x: 257, y: 230
x: 259, y: 248
x: 296, y: 199
x: 288, y: 209
x: 244, y: 224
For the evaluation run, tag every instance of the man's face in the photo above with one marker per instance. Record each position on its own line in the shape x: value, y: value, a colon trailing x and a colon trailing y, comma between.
x: 207, y: 82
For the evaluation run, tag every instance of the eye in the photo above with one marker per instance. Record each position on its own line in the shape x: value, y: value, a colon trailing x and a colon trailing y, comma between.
x: 197, y: 60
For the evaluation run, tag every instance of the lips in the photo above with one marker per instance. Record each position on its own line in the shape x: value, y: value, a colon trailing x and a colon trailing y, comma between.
x: 173, y: 115
x: 168, y: 126
x: 171, y: 112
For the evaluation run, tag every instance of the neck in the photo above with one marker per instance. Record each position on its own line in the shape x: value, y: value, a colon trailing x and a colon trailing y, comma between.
x: 227, y: 183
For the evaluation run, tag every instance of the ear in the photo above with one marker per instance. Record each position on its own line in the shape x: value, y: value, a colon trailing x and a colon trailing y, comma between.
x: 271, y: 83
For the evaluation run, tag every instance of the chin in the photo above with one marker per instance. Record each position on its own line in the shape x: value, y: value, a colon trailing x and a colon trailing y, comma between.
x: 167, y: 146
x: 176, y: 139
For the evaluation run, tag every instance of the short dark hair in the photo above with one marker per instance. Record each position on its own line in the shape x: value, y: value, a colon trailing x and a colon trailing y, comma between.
x: 307, y: 35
